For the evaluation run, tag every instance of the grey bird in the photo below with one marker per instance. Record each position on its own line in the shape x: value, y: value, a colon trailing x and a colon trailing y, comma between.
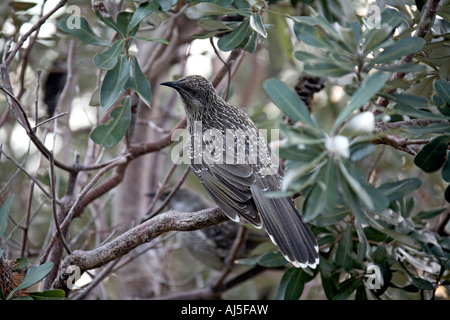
x: 237, y: 168
x: 211, y: 246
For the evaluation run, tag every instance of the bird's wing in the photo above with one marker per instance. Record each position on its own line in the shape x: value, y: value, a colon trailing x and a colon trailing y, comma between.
x: 229, y: 186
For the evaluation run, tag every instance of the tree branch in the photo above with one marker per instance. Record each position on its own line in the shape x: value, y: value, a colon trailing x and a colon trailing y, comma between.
x: 143, y: 233
x: 404, y: 144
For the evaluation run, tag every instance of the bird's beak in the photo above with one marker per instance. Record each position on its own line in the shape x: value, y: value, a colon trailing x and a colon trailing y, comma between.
x: 172, y: 84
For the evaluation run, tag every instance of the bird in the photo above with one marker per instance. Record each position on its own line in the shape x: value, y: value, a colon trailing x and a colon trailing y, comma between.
x: 237, y: 168
x: 211, y: 246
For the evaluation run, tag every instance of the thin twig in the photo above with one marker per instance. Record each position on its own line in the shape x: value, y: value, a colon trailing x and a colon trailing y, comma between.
x: 26, y: 54
x: 54, y: 210
x: 172, y: 192
x: 160, y: 191
x: 24, y: 122
x: 68, y: 85
x: 225, y: 63
x: 36, y: 97
x: 35, y: 27
x: 50, y: 119
x: 79, y: 198
x: 18, y: 165
x: 232, y: 254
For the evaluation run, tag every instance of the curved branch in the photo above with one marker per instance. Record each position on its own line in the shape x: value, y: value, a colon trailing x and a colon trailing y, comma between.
x: 143, y: 233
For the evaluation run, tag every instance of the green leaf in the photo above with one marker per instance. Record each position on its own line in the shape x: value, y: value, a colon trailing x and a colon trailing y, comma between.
x: 83, y: 31
x: 142, y: 12
x: 299, y: 155
x: 368, y: 89
x: 328, y: 176
x: 363, y: 245
x: 399, y: 49
x: 446, y: 170
x: 298, y: 139
x: 288, y: 101
x: 352, y: 200
x: 433, y: 155
x: 204, y: 9
x: 166, y: 5
x: 344, y: 251
x: 159, y: 40
x: 20, y: 264
x: 56, y: 294
x: 388, y: 230
x: 213, y: 25
x: 114, y: 82
x: 376, y: 38
x: 234, y: 38
x: 247, y: 261
x: 107, y: 60
x: 240, y: 4
x: 329, y: 69
x: 309, y: 57
x: 315, y: 201
x: 347, y: 287
x: 398, y: 189
x: 447, y: 193
x: 402, y: 68
x: 411, y: 111
x: 359, y: 151
x: 331, y: 218
x: 252, y: 42
x: 123, y: 21
x: 139, y: 82
x: 429, y: 214
x: 22, y: 5
x: 329, y: 277
x: 329, y: 28
x: 418, y: 282
x: 109, y: 134
x: 257, y: 25
x: 272, y: 260
x: 110, y: 23
x: 33, y: 275
x: 410, y: 100
x: 442, y: 88
x: 372, y: 198
x: 312, y: 35
x: 294, y: 173
x: 431, y: 128
x: 292, y: 284
x: 4, y: 214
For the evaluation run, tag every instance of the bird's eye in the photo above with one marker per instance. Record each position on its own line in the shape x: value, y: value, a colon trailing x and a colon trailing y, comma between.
x: 192, y: 91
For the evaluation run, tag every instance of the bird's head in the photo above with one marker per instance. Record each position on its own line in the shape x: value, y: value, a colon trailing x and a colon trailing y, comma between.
x: 196, y: 92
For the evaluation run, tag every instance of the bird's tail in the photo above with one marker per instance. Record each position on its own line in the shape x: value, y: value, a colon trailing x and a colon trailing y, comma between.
x: 287, y: 229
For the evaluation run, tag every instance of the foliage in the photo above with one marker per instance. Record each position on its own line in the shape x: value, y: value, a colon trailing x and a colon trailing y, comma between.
x: 357, y: 223
x: 378, y: 238
x: 33, y: 274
